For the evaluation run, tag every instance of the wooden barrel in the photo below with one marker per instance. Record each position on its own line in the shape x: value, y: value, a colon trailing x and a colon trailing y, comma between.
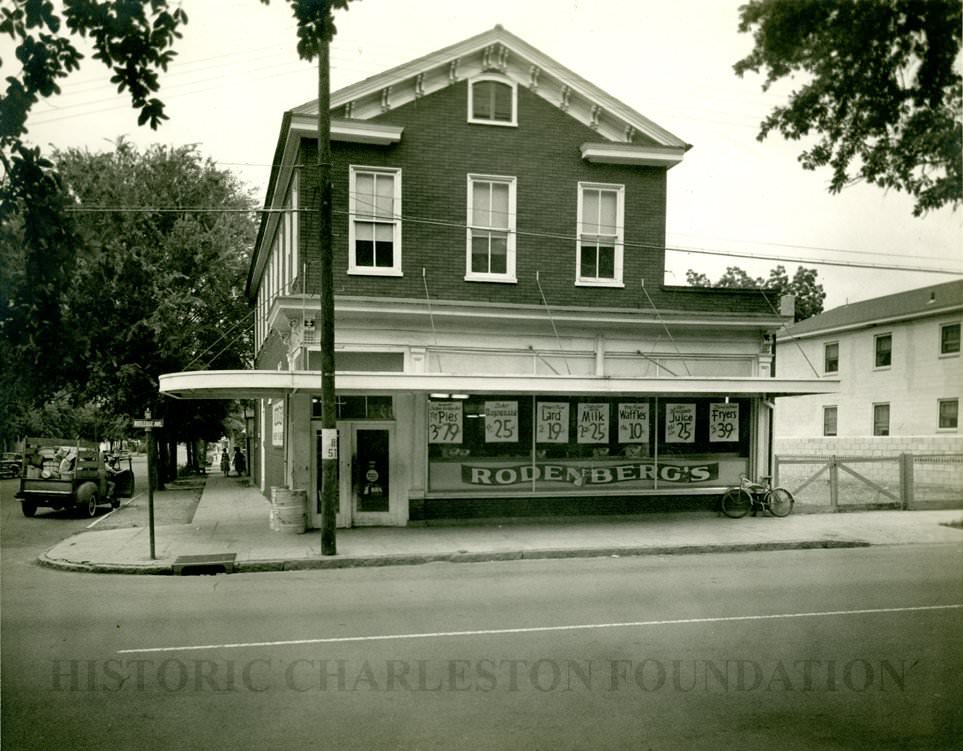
x: 290, y: 507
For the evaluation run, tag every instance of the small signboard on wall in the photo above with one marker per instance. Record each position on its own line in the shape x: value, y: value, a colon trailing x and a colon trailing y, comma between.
x: 445, y: 422
x: 680, y: 423
x: 723, y: 422
x: 277, y: 423
x: 593, y: 422
x: 633, y: 422
x: 501, y: 422
x: 551, y: 421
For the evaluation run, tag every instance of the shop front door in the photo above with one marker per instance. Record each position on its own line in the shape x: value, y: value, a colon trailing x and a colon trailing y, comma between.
x: 371, y: 490
x: 365, y: 492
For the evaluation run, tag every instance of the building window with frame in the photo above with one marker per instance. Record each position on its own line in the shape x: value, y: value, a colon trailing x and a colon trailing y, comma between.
x: 492, y: 101
x: 600, y: 242
x: 830, y: 416
x: 491, y: 229
x: 374, y: 225
x: 950, y: 339
x: 949, y: 414
x: 881, y: 419
x: 884, y: 350
x: 831, y: 358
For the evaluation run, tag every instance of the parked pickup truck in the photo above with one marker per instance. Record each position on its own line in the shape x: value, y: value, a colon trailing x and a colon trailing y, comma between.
x: 62, y: 473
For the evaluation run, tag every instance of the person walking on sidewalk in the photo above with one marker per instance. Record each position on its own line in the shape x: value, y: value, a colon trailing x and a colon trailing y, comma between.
x: 225, y: 463
x: 240, y: 463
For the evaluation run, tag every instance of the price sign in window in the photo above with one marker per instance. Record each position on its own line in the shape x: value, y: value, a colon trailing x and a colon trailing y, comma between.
x: 445, y: 422
x: 723, y: 422
x: 551, y: 419
x: 680, y: 423
x: 593, y: 422
x: 501, y: 422
x: 633, y: 422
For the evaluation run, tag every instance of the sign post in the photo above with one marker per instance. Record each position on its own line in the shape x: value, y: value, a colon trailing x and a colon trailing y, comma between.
x: 148, y: 425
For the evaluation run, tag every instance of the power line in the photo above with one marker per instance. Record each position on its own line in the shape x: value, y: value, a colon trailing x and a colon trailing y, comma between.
x: 539, y: 235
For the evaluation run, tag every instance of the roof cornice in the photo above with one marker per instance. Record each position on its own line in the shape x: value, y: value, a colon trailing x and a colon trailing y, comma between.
x: 501, y: 52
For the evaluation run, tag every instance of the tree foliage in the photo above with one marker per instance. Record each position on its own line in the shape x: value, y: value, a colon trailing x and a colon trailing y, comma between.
x: 153, y: 288
x: 804, y: 286
x: 877, y: 88
x: 56, y: 268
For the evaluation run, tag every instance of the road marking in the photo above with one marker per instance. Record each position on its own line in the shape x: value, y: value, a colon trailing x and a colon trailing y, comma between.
x: 536, y: 629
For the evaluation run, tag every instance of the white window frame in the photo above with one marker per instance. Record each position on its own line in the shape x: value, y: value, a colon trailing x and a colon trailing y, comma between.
x: 889, y: 420
x: 353, y: 267
x: 581, y: 281
x: 826, y: 347
x: 509, y: 275
x: 939, y: 342
x: 513, y: 123
x: 892, y: 343
x: 939, y: 404
x: 835, y: 409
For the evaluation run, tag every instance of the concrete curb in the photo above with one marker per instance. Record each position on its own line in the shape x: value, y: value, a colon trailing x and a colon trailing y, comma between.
x: 415, y: 559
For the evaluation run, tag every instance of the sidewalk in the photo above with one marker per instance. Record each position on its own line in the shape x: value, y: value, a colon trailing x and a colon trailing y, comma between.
x: 232, y: 520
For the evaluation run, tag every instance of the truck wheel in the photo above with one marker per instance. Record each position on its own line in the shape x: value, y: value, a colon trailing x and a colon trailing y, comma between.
x: 92, y: 505
x: 28, y: 508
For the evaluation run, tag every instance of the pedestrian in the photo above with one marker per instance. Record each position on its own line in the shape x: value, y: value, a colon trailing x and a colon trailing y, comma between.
x: 240, y: 463
x: 225, y: 463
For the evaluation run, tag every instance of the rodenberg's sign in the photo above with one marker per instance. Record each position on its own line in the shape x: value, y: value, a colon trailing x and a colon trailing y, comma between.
x: 581, y: 476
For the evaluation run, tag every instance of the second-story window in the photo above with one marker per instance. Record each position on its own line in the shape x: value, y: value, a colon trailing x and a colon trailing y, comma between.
x: 950, y: 339
x: 600, y: 216
x: 374, y: 227
x: 884, y: 350
x: 491, y: 228
x: 831, y: 361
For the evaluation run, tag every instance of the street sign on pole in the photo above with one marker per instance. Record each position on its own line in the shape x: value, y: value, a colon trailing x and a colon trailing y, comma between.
x: 148, y: 425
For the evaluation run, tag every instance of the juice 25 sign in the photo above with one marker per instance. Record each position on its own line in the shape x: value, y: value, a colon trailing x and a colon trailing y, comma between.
x: 680, y: 423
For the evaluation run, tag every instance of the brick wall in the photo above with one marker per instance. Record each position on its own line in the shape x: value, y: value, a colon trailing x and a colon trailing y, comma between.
x: 437, y: 151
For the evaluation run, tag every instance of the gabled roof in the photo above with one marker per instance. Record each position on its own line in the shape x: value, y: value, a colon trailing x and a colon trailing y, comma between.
x: 497, y: 51
x: 938, y: 299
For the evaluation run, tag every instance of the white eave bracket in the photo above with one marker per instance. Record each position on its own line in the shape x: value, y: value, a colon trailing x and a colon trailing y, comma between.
x: 628, y: 153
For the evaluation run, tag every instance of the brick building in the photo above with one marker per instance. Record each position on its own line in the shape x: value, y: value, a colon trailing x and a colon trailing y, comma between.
x: 505, y: 345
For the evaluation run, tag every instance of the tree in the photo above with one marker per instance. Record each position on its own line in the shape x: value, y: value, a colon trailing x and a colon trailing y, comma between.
x: 157, y: 291
x: 808, y: 292
x: 879, y: 90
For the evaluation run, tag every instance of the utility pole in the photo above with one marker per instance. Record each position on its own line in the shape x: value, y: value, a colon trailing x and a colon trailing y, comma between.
x: 329, y: 433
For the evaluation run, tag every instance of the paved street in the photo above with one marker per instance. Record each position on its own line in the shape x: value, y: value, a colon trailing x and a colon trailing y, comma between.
x: 803, y: 649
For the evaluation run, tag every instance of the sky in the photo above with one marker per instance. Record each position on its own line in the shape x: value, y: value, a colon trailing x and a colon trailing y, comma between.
x: 237, y: 71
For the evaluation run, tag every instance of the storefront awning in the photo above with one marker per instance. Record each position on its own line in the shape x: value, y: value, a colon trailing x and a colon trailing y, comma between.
x: 256, y: 384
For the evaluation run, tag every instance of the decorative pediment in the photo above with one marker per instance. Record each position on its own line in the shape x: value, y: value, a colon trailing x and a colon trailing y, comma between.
x: 498, y: 51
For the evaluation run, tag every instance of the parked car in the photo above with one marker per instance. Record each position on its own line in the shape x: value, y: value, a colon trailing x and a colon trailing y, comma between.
x: 60, y: 473
x: 10, y: 464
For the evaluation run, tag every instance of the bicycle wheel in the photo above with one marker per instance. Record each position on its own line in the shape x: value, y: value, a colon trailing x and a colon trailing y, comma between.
x: 736, y: 503
x: 780, y: 502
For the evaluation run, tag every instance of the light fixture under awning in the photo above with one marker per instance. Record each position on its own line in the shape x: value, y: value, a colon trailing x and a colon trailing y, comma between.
x: 254, y: 384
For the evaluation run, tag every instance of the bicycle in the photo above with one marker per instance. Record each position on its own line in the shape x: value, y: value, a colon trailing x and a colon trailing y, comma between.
x: 738, y: 500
